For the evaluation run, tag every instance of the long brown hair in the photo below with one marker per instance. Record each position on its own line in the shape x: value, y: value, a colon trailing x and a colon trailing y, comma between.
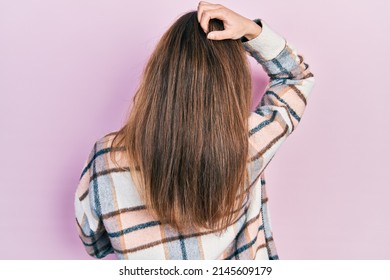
x: 187, y: 130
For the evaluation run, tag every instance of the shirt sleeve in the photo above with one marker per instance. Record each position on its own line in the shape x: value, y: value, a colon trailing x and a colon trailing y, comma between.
x: 88, y: 220
x: 285, y: 98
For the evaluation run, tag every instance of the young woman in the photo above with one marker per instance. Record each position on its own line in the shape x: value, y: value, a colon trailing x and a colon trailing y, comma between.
x: 184, y: 177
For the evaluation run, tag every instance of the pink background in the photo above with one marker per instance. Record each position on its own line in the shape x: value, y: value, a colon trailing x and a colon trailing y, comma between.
x: 68, y: 70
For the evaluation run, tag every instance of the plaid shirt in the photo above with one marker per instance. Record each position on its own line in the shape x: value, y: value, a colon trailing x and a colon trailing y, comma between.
x: 111, y: 218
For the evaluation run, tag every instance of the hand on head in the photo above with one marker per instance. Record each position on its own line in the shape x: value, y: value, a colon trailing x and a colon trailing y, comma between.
x: 236, y: 26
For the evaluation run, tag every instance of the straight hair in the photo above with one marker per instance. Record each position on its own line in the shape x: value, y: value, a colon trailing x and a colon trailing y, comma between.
x: 186, y: 136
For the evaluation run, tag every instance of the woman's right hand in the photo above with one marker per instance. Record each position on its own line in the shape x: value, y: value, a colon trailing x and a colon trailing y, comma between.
x: 235, y: 25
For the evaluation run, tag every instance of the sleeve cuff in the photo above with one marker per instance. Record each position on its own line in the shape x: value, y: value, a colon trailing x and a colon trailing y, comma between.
x: 268, y: 44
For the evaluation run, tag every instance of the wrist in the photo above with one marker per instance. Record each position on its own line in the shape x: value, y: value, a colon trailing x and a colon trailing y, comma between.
x: 253, y: 31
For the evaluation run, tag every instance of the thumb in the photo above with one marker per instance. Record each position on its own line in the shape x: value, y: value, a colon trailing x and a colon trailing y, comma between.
x: 219, y: 35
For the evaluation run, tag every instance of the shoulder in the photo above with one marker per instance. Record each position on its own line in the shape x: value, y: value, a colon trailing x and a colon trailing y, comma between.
x: 102, y: 146
x: 98, y: 155
x: 105, y: 141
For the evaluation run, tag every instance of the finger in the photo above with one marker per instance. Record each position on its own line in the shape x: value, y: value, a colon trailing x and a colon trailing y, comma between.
x: 203, y: 6
x: 210, y: 14
x: 219, y: 35
x: 203, y: 3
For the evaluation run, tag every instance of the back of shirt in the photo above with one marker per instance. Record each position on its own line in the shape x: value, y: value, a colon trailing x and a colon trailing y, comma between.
x: 111, y: 217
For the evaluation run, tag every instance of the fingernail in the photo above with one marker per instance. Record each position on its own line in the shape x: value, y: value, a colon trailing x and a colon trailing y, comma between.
x: 210, y: 36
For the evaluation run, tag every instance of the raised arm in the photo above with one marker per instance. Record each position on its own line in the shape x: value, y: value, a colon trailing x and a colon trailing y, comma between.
x: 286, y: 95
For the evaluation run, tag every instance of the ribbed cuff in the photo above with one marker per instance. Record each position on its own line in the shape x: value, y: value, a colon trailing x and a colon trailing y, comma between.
x: 268, y: 43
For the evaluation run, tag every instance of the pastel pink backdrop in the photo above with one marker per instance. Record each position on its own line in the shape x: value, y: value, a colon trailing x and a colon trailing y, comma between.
x: 68, y: 71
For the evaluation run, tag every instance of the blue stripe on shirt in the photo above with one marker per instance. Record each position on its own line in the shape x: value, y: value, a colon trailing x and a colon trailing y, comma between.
x: 134, y: 228
x: 263, y: 124
x: 292, y: 112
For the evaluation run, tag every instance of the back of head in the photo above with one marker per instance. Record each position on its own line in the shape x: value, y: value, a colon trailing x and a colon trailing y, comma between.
x: 187, y: 131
